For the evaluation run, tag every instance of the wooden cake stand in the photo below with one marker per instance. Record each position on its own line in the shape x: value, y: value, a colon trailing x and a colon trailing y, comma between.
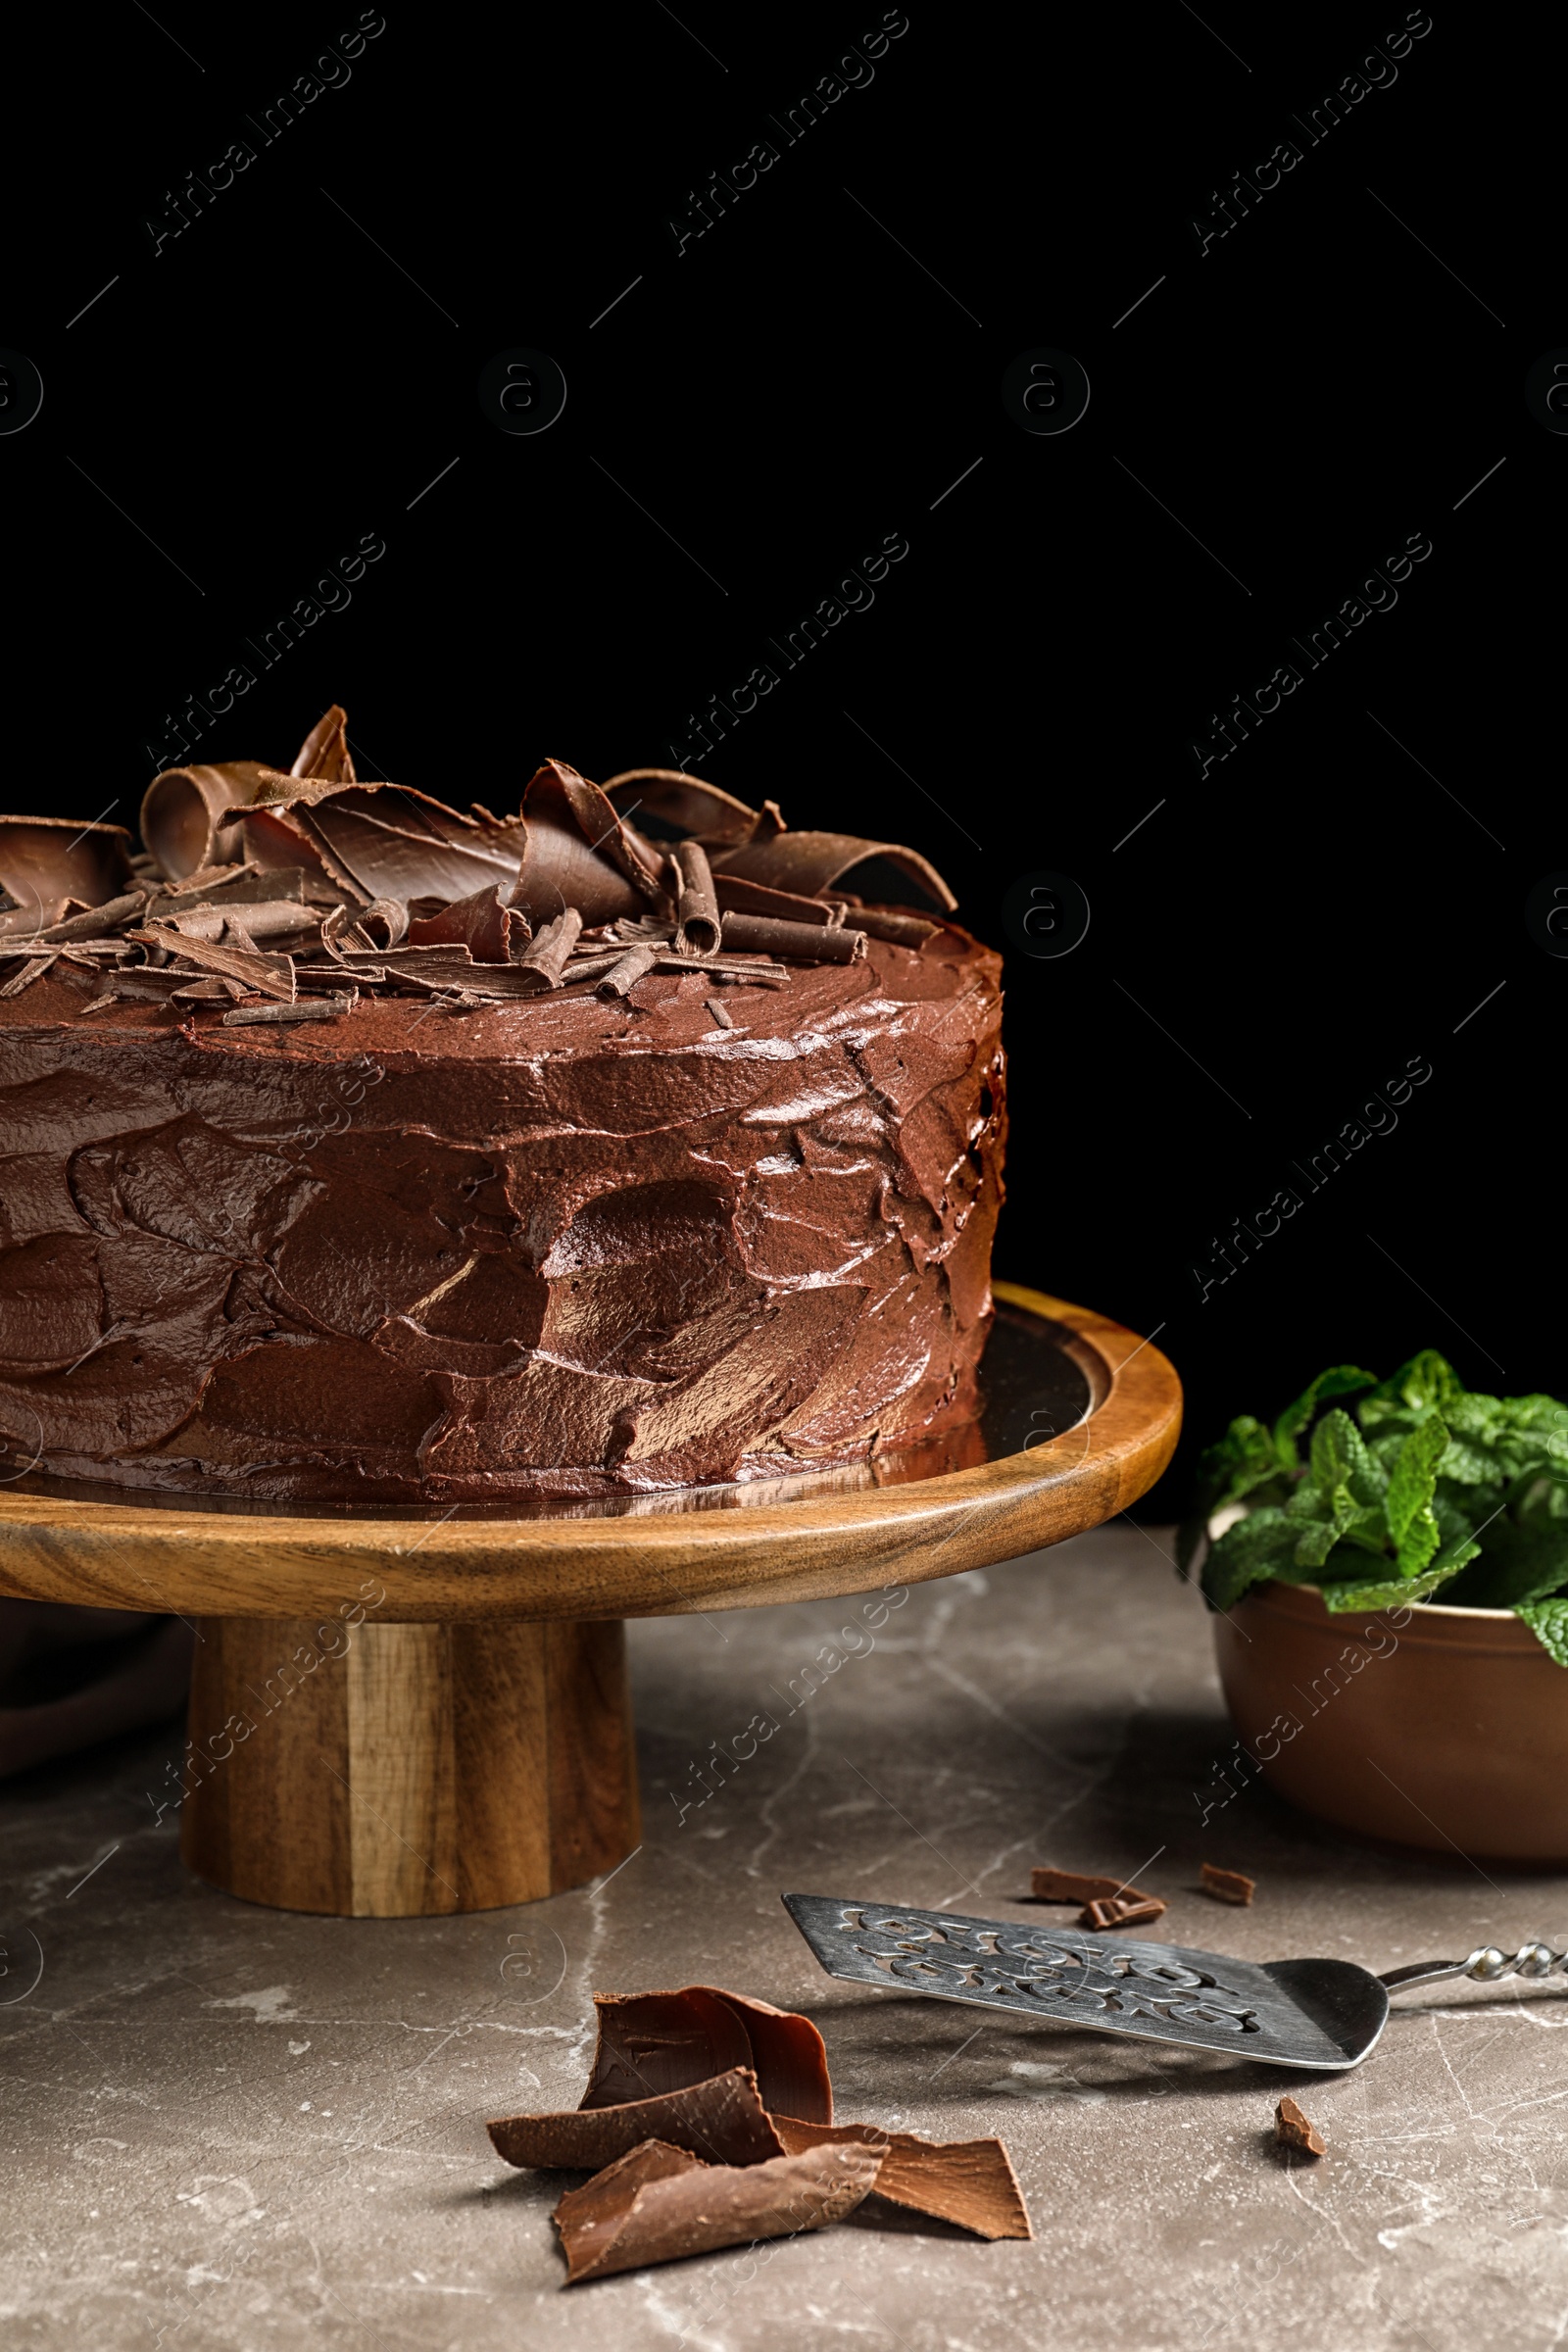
x: 397, y: 1715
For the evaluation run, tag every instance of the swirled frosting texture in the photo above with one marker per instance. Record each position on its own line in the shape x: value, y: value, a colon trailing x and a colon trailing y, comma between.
x: 555, y: 1248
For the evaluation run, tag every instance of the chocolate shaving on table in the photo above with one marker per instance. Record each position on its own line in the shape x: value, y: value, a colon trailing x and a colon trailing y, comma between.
x: 722, y: 2120
x: 1227, y: 1885
x: 657, y: 2041
x: 811, y: 863
x: 579, y: 852
x: 812, y: 943
x: 737, y: 896
x: 1050, y: 1885
x: 545, y: 958
x: 651, y: 2208
x: 190, y: 816
x: 325, y: 749
x: 1116, y: 1911
x: 673, y: 798
x: 47, y: 858
x: 1292, y: 2129
x: 698, y: 930
x: 969, y: 2181
x: 269, y: 975
x: 302, y: 1008
x: 33, y: 969
x: 493, y: 931
x: 624, y: 973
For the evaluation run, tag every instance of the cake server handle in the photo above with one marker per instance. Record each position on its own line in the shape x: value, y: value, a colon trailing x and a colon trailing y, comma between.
x: 1485, y: 1964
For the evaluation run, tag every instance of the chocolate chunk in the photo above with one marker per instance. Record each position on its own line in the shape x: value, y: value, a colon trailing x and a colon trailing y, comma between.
x: 1292, y: 2130
x: 658, y: 2041
x: 1050, y: 1885
x: 626, y: 971
x: 1227, y: 1885
x: 969, y: 2181
x: 697, y: 908
x: 1112, y: 1911
x: 650, y: 2208
x: 722, y: 2120
x: 809, y: 943
x: 47, y: 858
x: 811, y: 863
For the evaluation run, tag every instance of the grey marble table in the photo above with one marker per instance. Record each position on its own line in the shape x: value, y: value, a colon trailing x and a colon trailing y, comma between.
x: 226, y: 2127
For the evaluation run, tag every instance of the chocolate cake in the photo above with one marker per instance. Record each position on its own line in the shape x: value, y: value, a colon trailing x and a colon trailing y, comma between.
x: 354, y: 1148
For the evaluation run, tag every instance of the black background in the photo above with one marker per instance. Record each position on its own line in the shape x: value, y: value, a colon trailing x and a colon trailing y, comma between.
x: 816, y: 372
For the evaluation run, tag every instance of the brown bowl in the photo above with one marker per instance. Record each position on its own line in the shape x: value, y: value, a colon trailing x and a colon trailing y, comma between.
x: 1426, y: 1725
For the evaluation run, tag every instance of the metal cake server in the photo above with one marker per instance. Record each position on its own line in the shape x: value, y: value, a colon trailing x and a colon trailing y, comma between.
x: 1320, y: 2014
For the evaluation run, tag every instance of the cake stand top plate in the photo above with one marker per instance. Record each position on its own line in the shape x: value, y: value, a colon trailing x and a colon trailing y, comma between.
x: 657, y: 1555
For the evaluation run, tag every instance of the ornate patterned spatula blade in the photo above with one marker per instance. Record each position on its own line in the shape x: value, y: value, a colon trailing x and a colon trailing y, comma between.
x: 1319, y: 2013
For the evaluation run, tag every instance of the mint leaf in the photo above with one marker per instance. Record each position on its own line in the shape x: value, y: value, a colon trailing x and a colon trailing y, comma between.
x: 1548, y: 1620
x: 1408, y: 1503
x: 1428, y: 1383
x: 1344, y: 1479
x: 1372, y: 1595
x: 1243, y: 1460
x: 1262, y: 1544
x: 1341, y: 1380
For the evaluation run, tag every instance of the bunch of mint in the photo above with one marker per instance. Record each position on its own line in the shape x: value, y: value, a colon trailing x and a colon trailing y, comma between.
x: 1431, y: 1484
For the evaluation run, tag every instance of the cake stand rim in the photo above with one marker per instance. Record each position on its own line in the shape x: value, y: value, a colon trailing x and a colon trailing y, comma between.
x: 232, y: 1564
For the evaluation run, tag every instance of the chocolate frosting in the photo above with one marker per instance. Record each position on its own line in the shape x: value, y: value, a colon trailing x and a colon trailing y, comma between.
x: 567, y: 1246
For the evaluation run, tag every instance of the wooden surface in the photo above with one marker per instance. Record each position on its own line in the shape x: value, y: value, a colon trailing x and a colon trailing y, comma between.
x: 648, y: 1564
x: 386, y: 1771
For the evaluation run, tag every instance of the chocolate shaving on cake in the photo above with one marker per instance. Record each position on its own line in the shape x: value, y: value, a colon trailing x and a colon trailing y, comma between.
x: 189, y: 816
x: 1114, y: 1911
x: 673, y: 798
x: 827, y: 943
x: 1227, y: 1885
x: 271, y: 975
x: 1050, y: 1885
x: 302, y: 1008
x: 22, y: 924
x: 625, y: 972
x: 720, y: 1012
x: 900, y: 930
x: 646, y: 2208
x: 492, y: 931
x: 325, y: 751
x: 579, y: 852
x: 811, y: 863
x: 33, y: 969
x: 47, y: 858
x: 737, y: 896
x: 969, y: 2181
x: 1292, y: 2129
x: 697, y: 908
x: 546, y: 958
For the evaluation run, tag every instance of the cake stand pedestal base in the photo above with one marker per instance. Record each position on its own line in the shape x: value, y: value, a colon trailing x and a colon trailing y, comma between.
x: 463, y: 1739
x: 387, y: 1770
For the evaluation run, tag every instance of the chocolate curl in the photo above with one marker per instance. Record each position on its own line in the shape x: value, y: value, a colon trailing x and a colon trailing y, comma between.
x: 811, y: 863
x: 660, y: 2042
x: 387, y: 917
x: 885, y: 922
x: 698, y: 930
x: 267, y: 975
x: 722, y: 2120
x: 579, y: 852
x: 685, y: 802
x: 379, y: 840
x: 277, y: 919
x: 95, y: 922
x: 43, y: 859
x: 656, y: 2206
x: 30, y: 971
x: 547, y: 957
x: 492, y: 931
x: 325, y: 749
x: 807, y: 943
x: 1227, y: 1885
x: 190, y: 816
x: 274, y: 841
x: 737, y: 896
x: 969, y: 2181
x: 24, y: 923
x: 624, y: 974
